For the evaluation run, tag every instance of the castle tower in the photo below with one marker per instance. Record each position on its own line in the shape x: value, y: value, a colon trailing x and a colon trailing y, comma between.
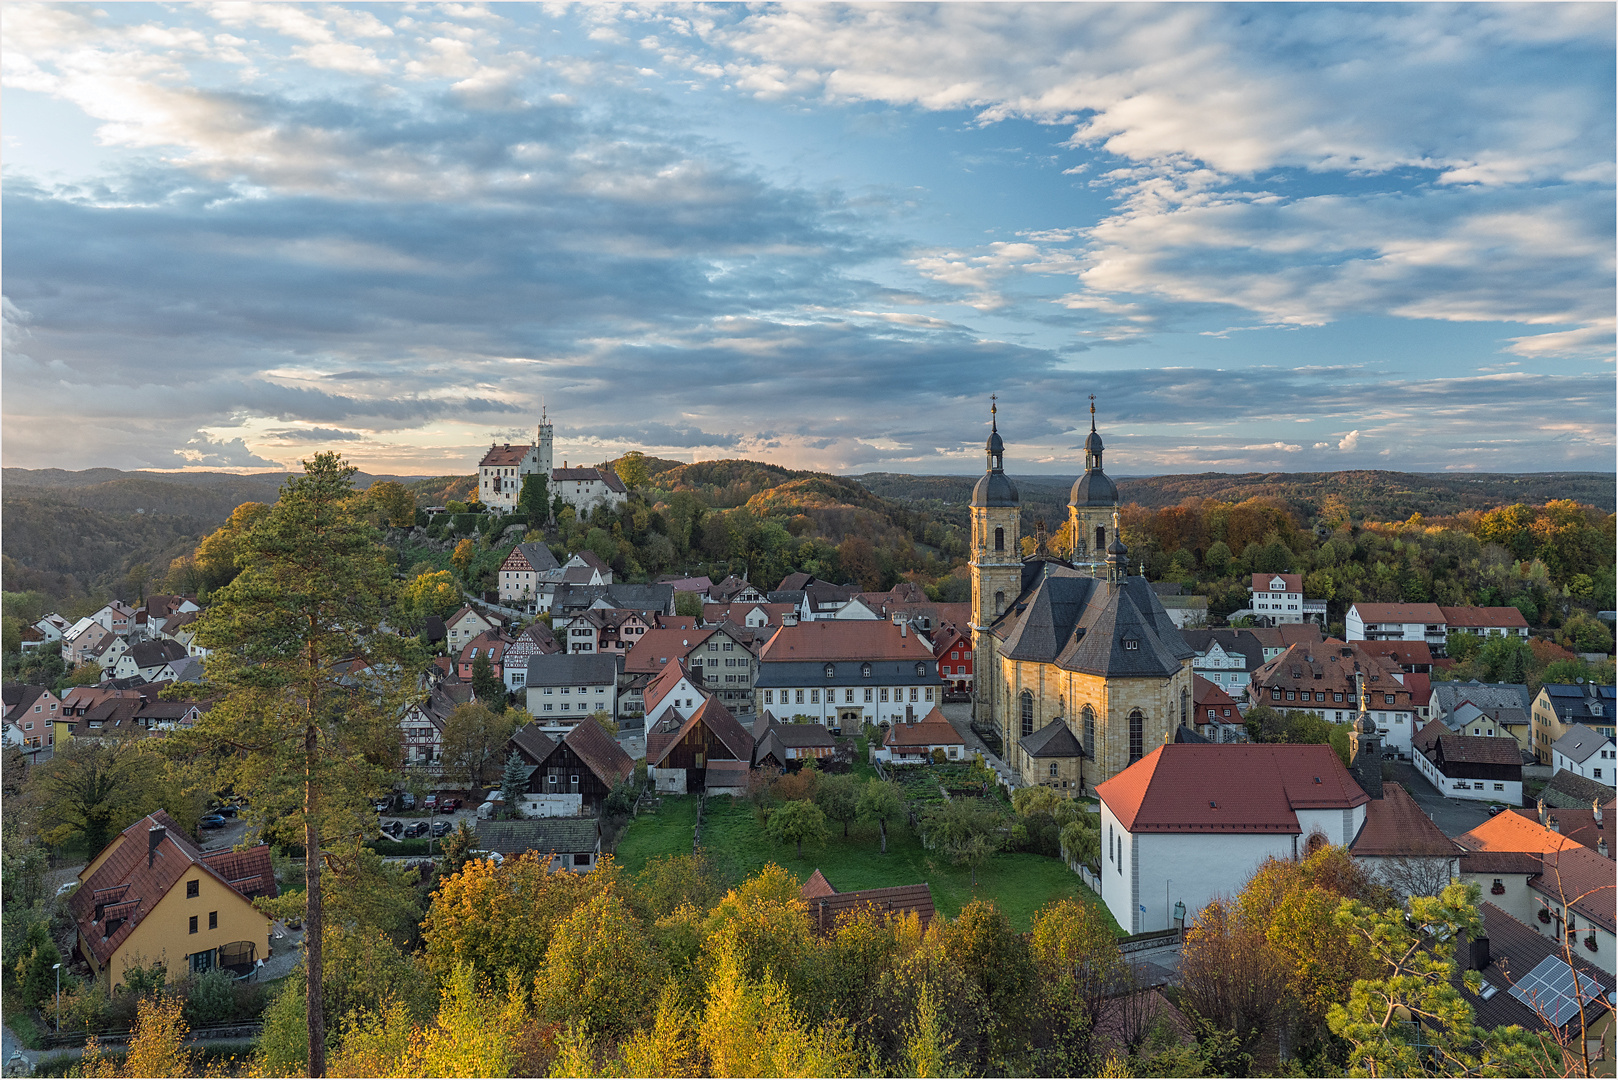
x: 1091, y: 507
x: 996, y: 552
x: 542, y: 445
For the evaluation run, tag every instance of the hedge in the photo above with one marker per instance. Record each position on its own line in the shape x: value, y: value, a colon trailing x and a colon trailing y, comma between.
x: 399, y: 847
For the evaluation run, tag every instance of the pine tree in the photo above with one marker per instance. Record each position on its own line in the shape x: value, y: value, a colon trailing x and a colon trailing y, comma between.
x: 312, y: 688
x: 511, y: 783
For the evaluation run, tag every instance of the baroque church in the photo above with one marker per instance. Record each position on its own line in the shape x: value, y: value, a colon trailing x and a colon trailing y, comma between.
x: 1077, y: 664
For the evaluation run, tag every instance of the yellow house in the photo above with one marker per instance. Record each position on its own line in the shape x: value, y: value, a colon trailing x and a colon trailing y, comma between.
x: 152, y: 897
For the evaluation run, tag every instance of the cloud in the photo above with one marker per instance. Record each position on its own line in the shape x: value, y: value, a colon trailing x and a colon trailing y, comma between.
x: 203, y: 450
x: 1351, y: 441
x: 314, y: 434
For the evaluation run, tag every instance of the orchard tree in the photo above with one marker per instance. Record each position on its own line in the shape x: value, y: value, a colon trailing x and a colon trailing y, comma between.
x: 394, y: 503
x: 838, y: 797
x: 796, y: 822
x: 312, y: 687
x: 879, y: 801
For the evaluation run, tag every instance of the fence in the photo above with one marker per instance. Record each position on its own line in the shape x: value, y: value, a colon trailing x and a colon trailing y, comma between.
x: 241, y: 1029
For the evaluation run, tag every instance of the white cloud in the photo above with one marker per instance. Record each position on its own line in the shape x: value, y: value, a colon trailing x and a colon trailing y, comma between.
x: 1351, y: 441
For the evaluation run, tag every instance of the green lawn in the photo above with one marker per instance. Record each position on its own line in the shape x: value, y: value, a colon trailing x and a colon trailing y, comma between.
x: 1019, y: 883
x: 668, y: 831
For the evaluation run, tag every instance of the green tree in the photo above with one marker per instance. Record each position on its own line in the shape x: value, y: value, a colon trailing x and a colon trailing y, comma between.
x: 879, y: 802
x: 1077, y: 966
x: 475, y: 738
x: 430, y: 593
x: 534, y: 500
x: 796, y: 822
x: 839, y: 797
x: 92, y: 790
x: 311, y: 688
x: 394, y: 503
x: 511, y: 783
x: 486, y: 684
x: 1413, y: 1020
x: 600, y: 969
x: 217, y: 555
x: 688, y: 604
x: 967, y: 831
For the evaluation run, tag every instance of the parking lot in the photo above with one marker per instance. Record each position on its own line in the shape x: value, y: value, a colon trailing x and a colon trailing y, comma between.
x: 1452, y: 816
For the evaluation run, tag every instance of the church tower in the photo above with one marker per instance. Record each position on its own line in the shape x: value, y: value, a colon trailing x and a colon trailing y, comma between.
x: 1092, y: 507
x: 996, y: 551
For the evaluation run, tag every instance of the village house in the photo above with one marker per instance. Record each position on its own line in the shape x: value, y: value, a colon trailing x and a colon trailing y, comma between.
x: 734, y: 590
x: 1508, y: 705
x: 1585, y: 752
x: 753, y: 615
x: 608, y: 630
x: 846, y: 674
x: 570, y: 776
x: 1478, y: 767
x: 1560, y: 705
x: 827, y: 906
x: 777, y: 744
x: 1327, y: 679
x: 1215, y: 714
x: 1226, y: 658
x: 1278, y: 598
x: 467, y: 624
x: 535, y: 640
x: 151, y: 896
x: 564, y: 688
x: 914, y: 744
x: 671, y: 691
x: 520, y: 573
x: 649, y: 600
x: 34, y: 711
x: 1401, y: 847
x: 146, y: 660
x: 82, y: 639
x: 1430, y: 623
x: 571, y: 844
x: 710, y: 751
x: 1190, y: 822
x: 953, y: 650
x: 490, y: 645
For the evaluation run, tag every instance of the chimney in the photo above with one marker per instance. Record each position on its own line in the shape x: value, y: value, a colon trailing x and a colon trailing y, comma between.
x: 901, y: 629
x: 1542, y: 811
x: 1478, y: 954
x: 1601, y: 846
x: 154, y: 839
x: 1595, y: 809
x: 1554, y: 825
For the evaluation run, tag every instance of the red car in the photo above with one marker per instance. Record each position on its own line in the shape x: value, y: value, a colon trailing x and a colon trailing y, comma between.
x: 448, y: 806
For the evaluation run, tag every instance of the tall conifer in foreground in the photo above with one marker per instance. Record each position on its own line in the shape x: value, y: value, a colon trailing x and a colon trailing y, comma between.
x: 307, y: 726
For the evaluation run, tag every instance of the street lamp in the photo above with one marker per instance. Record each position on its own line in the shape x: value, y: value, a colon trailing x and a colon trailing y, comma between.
x: 58, y: 969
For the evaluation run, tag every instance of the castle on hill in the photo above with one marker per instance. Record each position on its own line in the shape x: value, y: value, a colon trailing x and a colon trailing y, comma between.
x: 1077, y: 663
x: 501, y: 473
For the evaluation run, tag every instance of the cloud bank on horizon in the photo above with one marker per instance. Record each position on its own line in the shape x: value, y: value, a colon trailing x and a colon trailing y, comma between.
x: 1274, y: 237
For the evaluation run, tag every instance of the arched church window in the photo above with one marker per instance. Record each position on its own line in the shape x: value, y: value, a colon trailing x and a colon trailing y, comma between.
x: 1027, y: 700
x: 999, y: 539
x: 1101, y: 539
x: 999, y: 602
x: 1185, y: 705
x: 1137, y: 736
x: 1090, y: 732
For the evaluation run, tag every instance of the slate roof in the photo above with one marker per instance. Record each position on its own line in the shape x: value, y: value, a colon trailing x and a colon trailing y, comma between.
x: 572, y: 669
x: 544, y: 836
x: 1464, y: 617
x: 1579, y: 744
x: 1447, y: 696
x: 136, y: 876
x: 796, y: 736
x: 1241, y: 643
x: 1514, y: 951
x: 1568, y: 788
x: 1086, y: 624
x: 1228, y: 788
x: 600, y: 752
x: 643, y: 598
x: 538, y: 555
x: 1445, y: 747
x: 1054, y: 740
x: 1397, y: 826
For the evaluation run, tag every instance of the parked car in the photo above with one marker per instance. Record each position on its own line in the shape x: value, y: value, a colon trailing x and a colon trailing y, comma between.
x: 211, y: 821
x: 431, y: 803
x: 66, y: 888
x: 449, y: 806
x: 1496, y: 808
x: 393, y: 828
x: 415, y: 830
x: 407, y: 801
x: 441, y: 828
x: 381, y: 805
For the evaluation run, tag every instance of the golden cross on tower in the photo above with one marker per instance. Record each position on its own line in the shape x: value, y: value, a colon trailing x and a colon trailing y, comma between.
x: 1092, y: 412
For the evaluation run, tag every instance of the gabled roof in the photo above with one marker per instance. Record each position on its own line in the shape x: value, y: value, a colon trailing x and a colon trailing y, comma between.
x: 1579, y: 824
x: 816, y: 886
x: 585, y: 475
x: 600, y: 752
x: 827, y: 905
x: 1093, y: 626
x: 1210, y: 695
x: 505, y: 454
x: 1396, y: 826
x: 1580, y: 743
x: 572, y: 669
x: 1446, y: 747
x: 737, y: 612
x: 719, y: 721
x: 794, y: 736
x: 1584, y: 879
x: 657, y: 648
x: 1054, y: 740
x: 1406, y: 654
x: 532, y: 744
x: 536, y: 554
x: 1513, y: 832
x: 1515, y: 950
x: 663, y: 683
x: 544, y: 836
x: 1463, y: 617
x: 931, y: 730
x: 155, y: 652
x: 1580, y: 789
x: 138, y: 872
x: 1289, y: 583
x: 1486, y: 696
x: 1228, y: 788
x: 20, y: 698
x: 1399, y: 613
x: 1241, y: 643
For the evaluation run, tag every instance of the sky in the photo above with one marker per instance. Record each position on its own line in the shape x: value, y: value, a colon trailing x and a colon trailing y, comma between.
x: 1265, y: 237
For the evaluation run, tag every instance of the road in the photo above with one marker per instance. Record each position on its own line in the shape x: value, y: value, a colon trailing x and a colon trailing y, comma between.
x: 1452, y: 816
x: 959, y: 715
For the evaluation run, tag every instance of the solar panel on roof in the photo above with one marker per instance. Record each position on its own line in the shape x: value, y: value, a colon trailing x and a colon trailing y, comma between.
x: 1549, y: 990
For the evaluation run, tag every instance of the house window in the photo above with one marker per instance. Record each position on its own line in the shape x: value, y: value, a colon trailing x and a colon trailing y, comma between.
x: 800, y: 697
x: 929, y: 697
x: 831, y: 669
x: 1053, y: 768
x: 1499, y: 787
x: 192, y: 889
x: 848, y: 695
x: 193, y: 924
x: 1027, y: 701
x: 213, y: 920
x: 1137, y: 736
x: 915, y: 692
x: 867, y: 694
x: 814, y: 697
x: 884, y: 693
x: 769, y: 697
x: 865, y: 671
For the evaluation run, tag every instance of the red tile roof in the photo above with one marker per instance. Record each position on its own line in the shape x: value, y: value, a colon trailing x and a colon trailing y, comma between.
x: 817, y: 886
x: 1293, y: 582
x: 1209, y: 695
x: 931, y: 730
x: 1513, y: 832
x: 1584, y: 879
x: 658, y: 647
x: 1228, y: 788
x: 1396, y: 825
x: 839, y: 639
x: 1404, y: 653
x: 1399, y: 613
x: 1421, y: 689
x: 600, y: 752
x: 827, y: 905
x: 1464, y: 617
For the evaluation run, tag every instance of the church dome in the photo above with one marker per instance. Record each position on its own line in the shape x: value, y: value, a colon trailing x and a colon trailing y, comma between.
x: 1365, y: 725
x: 1117, y: 546
x: 1092, y: 443
x: 1094, y: 488
x: 995, y: 445
x: 994, y: 489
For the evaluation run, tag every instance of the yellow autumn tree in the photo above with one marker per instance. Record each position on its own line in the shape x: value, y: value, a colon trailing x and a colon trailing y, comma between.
x: 600, y: 969
x: 751, y: 1028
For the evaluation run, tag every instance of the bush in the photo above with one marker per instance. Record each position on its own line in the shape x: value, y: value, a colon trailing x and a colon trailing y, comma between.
x: 211, y: 998
x: 399, y: 847
x: 461, y: 524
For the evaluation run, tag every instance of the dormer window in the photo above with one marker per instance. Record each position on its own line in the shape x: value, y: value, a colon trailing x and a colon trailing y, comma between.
x: 1131, y: 644
x: 831, y: 669
x: 865, y: 671
x: 921, y: 670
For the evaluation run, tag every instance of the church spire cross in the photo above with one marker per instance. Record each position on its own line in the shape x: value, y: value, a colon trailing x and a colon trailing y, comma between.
x: 993, y: 409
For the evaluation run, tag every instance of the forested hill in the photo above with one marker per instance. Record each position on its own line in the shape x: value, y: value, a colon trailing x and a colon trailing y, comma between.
x: 1369, y: 493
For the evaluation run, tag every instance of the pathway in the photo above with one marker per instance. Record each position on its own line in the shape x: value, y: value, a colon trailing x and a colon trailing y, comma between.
x: 959, y: 716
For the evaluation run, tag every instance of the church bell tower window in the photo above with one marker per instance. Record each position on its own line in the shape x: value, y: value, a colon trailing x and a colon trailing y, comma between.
x: 1027, y: 700
x: 999, y: 539
x: 1137, y: 736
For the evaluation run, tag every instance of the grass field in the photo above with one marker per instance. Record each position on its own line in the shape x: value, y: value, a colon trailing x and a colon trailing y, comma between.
x: 1019, y: 883
x: 668, y: 831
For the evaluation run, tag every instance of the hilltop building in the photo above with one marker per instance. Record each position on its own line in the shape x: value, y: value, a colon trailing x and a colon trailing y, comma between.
x: 1076, y: 643
x: 501, y: 473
